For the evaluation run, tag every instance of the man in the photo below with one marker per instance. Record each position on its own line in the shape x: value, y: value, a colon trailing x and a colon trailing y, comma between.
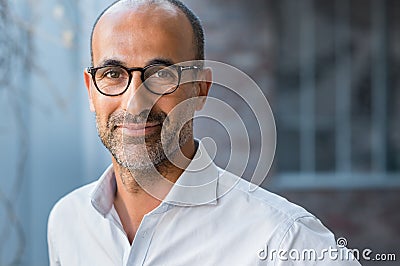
x: 163, y: 201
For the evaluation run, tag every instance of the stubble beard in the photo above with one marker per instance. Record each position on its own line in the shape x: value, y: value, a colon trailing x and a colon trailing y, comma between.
x: 143, y: 157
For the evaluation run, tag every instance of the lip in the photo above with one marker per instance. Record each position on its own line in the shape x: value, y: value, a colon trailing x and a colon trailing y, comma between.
x: 139, y: 129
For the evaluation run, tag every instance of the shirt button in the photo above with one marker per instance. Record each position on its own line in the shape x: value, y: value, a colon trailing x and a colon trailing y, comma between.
x: 144, y: 234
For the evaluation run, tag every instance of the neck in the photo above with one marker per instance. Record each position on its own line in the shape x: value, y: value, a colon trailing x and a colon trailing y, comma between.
x: 140, y: 192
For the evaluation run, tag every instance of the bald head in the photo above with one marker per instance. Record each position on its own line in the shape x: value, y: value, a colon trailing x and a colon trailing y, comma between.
x: 171, y: 6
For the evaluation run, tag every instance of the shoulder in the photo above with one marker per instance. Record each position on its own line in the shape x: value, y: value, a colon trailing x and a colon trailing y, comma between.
x: 233, y: 189
x: 279, y: 220
x: 71, y: 204
x: 275, y: 224
x: 63, y: 216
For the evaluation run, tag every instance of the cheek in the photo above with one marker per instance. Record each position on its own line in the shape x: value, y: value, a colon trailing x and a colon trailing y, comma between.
x: 183, y: 96
x: 179, y: 111
x: 104, y: 105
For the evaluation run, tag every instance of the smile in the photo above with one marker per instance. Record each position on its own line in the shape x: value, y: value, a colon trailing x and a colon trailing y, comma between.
x: 139, y: 129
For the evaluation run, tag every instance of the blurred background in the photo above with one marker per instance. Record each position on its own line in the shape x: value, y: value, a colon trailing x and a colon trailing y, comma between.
x: 330, y: 70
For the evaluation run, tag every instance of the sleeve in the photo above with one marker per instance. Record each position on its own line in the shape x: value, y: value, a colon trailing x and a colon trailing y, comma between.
x: 52, y: 249
x: 308, y: 242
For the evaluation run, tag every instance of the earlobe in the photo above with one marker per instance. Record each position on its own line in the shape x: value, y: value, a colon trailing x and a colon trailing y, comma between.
x: 87, y: 79
x: 205, y: 85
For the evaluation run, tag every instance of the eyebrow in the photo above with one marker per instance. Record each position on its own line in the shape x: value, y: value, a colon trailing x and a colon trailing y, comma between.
x: 111, y: 62
x: 160, y: 60
x: 154, y: 61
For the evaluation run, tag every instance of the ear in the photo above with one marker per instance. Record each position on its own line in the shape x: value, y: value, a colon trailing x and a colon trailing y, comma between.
x: 88, y: 83
x: 205, y: 85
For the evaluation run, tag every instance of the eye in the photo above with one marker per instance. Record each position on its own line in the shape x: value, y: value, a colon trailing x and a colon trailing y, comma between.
x: 164, y: 74
x: 113, y: 73
x: 160, y: 74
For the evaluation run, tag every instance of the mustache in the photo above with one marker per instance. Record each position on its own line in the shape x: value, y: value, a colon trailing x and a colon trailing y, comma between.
x: 146, y: 116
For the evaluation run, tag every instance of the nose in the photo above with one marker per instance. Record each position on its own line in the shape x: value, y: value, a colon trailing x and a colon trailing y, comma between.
x: 137, y: 98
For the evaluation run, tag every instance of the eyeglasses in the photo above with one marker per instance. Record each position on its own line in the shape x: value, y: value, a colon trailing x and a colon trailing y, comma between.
x: 159, y: 79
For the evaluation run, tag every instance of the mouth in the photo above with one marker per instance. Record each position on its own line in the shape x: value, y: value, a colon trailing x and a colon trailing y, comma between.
x: 137, y: 130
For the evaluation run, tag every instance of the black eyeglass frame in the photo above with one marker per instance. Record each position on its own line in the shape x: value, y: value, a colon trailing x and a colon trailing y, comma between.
x: 142, y: 70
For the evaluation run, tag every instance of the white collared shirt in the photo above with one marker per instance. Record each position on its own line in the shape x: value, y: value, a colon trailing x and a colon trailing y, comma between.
x: 210, y: 217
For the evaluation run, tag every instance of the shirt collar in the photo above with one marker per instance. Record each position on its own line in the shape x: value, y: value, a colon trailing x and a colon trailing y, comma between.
x: 196, y: 186
x: 102, y: 196
x: 198, y: 183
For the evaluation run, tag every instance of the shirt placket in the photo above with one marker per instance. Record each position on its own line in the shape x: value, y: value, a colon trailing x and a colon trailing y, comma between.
x: 144, y: 235
x: 120, y: 235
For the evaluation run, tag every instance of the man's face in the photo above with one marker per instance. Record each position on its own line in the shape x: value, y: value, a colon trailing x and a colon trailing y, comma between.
x: 130, y: 125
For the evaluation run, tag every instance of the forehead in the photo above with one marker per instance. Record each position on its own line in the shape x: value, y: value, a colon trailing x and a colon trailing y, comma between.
x: 136, y: 33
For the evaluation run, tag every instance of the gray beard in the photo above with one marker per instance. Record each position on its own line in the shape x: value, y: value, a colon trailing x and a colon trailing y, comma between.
x: 144, y: 154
